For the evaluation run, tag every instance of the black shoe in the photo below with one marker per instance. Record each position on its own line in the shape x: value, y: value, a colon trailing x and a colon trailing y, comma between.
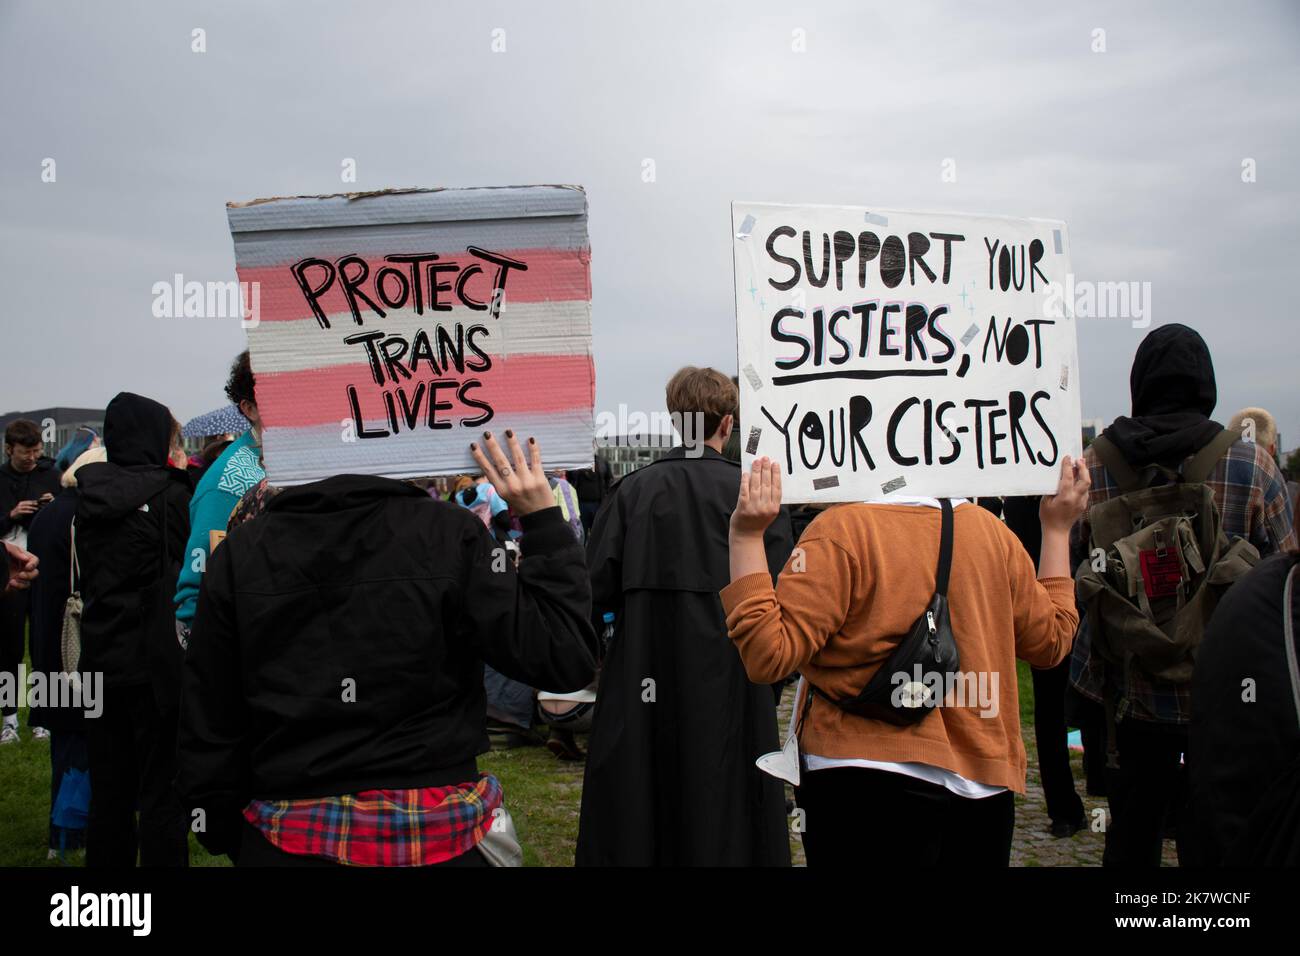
x: 1064, y: 829
x: 562, y: 744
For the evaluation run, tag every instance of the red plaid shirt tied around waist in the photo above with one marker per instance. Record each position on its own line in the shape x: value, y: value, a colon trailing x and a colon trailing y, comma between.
x: 382, y: 827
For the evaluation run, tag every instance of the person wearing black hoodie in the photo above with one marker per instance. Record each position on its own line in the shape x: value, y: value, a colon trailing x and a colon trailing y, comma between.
x: 131, y: 525
x: 1174, y: 393
x: 28, y: 482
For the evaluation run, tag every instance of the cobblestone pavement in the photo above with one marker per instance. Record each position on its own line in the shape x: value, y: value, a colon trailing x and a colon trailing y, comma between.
x: 1034, y: 845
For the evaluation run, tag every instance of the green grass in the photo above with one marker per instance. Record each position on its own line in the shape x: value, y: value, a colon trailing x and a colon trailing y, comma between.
x: 25, y: 806
x: 543, y: 795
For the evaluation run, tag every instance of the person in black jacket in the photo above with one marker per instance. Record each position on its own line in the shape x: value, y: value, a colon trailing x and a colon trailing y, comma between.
x: 670, y: 777
x: 591, y: 485
x: 131, y: 526
x: 50, y: 539
x: 28, y: 482
x: 338, y: 649
x: 1243, y: 758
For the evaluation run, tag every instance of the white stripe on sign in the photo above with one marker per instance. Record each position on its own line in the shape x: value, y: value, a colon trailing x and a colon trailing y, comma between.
x: 530, y: 329
x: 319, y: 451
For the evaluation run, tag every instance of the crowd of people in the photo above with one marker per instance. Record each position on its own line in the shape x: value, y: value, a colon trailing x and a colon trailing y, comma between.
x: 306, y: 676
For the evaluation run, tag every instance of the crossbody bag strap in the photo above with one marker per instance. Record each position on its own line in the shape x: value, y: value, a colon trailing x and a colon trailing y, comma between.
x: 1288, y: 637
x: 945, y: 549
x: 74, y: 570
x: 941, y: 575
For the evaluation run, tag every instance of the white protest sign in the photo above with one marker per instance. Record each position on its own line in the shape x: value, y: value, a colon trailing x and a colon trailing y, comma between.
x: 904, y: 353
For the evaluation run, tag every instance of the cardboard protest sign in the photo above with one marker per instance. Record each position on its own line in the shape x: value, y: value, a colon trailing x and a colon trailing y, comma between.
x: 903, y: 353
x: 396, y: 327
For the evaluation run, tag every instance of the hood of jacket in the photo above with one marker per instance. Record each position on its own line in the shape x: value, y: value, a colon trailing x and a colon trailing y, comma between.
x: 341, y: 493
x: 137, y: 431
x: 1174, y: 393
x: 137, y: 436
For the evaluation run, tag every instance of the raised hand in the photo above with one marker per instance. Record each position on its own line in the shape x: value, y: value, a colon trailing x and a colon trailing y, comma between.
x: 522, y: 483
x: 1061, y: 510
x: 760, y: 498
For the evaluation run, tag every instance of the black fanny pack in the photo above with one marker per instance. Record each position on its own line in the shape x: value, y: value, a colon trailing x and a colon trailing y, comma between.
x: 911, y: 682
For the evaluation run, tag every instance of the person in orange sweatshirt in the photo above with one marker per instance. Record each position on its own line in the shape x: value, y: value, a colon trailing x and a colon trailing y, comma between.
x: 938, y: 790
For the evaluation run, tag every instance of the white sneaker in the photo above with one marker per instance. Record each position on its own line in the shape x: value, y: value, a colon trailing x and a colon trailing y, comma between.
x: 40, y: 733
x: 9, y: 735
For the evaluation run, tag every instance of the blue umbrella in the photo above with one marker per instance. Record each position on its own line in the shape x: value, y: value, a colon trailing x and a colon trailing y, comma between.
x: 220, y: 421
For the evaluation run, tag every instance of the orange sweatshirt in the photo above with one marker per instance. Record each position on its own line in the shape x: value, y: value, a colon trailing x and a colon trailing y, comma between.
x: 861, y: 575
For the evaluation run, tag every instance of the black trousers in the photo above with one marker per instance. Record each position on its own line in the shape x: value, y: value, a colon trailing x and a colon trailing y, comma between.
x: 15, y: 612
x: 132, y: 749
x: 257, y: 850
x: 854, y: 816
x: 1149, y: 787
x: 1063, y: 803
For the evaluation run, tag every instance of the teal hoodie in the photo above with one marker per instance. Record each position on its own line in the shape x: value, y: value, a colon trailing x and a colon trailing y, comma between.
x: 219, y: 490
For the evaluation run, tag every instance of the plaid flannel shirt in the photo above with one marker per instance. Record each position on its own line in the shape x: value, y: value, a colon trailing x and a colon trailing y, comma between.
x: 382, y: 827
x: 1253, y: 503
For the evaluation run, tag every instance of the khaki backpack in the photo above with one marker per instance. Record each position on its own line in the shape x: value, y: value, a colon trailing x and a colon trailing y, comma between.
x: 1158, y: 563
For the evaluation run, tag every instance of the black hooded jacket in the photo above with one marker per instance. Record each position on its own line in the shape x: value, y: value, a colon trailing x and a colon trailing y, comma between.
x: 339, y: 642
x: 16, y: 486
x: 123, y: 506
x: 1174, y: 393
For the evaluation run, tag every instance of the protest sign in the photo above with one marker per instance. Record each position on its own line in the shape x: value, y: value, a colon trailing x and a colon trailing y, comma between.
x: 395, y: 327
x: 903, y: 353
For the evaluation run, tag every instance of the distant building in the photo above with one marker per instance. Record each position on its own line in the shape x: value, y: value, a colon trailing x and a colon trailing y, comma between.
x: 630, y: 452
x: 58, y: 424
x: 1092, y: 427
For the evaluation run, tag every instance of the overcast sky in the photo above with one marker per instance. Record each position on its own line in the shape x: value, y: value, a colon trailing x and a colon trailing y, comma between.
x: 1139, y: 149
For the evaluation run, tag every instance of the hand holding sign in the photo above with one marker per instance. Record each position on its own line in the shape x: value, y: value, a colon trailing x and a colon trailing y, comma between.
x: 760, y: 499
x: 1061, y: 510
x: 523, y: 485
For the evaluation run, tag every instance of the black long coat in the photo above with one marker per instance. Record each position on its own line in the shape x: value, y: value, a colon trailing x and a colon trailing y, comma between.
x: 670, y: 776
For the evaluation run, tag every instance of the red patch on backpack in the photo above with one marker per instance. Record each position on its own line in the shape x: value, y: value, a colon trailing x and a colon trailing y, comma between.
x: 1162, y: 572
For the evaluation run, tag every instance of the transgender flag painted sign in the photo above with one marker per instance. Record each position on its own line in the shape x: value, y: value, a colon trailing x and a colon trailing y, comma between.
x: 396, y: 327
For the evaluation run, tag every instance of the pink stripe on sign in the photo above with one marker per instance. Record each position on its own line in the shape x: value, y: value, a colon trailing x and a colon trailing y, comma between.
x: 518, y: 384
x: 553, y: 275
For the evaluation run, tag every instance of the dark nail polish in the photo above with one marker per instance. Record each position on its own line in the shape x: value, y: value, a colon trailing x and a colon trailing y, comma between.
x: 509, y: 433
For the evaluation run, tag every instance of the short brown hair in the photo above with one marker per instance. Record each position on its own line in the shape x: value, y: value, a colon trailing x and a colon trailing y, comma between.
x: 25, y: 432
x: 702, y: 391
